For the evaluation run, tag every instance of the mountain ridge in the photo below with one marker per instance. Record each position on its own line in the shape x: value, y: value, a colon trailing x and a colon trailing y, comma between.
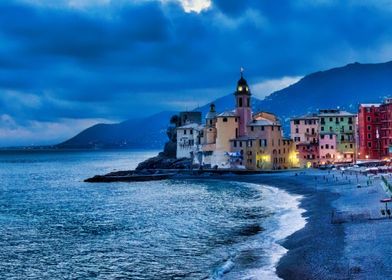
x: 344, y: 87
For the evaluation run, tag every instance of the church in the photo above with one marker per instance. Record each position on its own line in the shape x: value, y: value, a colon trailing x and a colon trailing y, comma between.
x: 237, y: 139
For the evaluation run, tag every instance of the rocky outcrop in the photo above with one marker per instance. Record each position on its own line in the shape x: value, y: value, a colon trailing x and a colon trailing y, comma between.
x: 164, y: 162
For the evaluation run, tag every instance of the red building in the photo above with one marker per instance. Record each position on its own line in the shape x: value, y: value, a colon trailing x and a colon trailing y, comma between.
x: 369, y: 131
x: 386, y: 128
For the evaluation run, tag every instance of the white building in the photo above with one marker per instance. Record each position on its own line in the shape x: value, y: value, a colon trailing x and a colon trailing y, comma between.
x: 189, y: 140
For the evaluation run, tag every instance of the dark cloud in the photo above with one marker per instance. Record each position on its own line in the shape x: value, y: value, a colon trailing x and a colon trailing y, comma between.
x: 124, y: 60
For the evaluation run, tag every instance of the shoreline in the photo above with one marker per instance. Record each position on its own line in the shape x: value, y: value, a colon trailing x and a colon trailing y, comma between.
x: 326, y: 250
x: 344, y: 247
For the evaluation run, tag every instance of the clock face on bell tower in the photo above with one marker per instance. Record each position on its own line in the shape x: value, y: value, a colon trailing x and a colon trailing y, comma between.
x: 242, y: 93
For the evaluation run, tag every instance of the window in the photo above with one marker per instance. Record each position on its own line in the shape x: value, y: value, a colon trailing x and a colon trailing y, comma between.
x: 224, y: 120
x: 240, y: 102
x: 248, y: 102
x: 252, y: 128
x: 331, y: 146
x: 262, y: 128
x: 322, y: 147
x: 369, y: 136
x: 235, y: 144
x: 350, y: 127
x: 330, y: 119
x: 351, y: 146
x: 331, y: 136
x: 369, y: 128
x: 369, y: 144
x: 322, y: 136
x: 296, y: 121
x: 184, y: 131
x: 272, y: 128
x: 327, y: 146
x: 240, y: 143
x: 368, y: 118
x: 191, y: 131
x: 322, y: 128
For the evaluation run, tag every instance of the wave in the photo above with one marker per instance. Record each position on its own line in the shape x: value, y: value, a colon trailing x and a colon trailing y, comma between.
x: 285, y: 218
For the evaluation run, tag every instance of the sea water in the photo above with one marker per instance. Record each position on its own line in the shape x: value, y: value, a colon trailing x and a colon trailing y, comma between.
x: 55, y: 226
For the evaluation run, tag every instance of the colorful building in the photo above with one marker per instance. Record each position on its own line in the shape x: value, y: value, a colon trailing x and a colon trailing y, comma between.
x: 305, y: 134
x: 239, y: 139
x: 325, y: 138
x: 342, y: 126
x: 369, y: 132
x: 386, y: 128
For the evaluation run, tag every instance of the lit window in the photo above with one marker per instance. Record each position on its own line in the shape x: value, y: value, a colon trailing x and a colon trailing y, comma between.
x: 239, y: 88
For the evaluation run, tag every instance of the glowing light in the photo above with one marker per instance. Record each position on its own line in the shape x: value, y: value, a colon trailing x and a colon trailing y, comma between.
x: 239, y: 88
x: 367, y: 156
x: 263, y: 158
x: 293, y: 158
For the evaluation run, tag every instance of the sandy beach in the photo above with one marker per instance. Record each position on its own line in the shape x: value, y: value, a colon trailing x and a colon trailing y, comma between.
x: 345, y: 237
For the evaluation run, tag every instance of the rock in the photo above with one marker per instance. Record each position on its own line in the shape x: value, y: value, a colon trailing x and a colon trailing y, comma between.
x: 170, y: 149
x: 163, y: 162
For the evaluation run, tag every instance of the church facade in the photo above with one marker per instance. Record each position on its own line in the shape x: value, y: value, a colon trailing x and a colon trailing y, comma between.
x: 239, y: 138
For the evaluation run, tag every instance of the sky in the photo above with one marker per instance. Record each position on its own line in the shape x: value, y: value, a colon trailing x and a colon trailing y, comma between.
x: 68, y: 64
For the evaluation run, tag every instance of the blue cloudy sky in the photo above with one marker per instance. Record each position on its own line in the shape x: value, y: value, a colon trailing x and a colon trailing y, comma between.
x: 67, y: 64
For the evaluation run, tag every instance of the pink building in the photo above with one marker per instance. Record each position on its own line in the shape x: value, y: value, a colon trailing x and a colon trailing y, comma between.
x: 304, y: 133
x: 327, y: 148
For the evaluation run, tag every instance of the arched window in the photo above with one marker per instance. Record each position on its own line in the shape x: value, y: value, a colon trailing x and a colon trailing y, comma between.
x: 240, y: 102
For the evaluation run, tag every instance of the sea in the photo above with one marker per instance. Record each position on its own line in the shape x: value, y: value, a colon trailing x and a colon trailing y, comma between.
x: 55, y: 226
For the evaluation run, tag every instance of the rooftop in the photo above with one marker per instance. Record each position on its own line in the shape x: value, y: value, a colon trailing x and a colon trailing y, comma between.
x: 227, y: 114
x: 334, y: 113
x: 191, y: 125
x: 370, y: 105
x: 263, y: 122
x: 306, y: 117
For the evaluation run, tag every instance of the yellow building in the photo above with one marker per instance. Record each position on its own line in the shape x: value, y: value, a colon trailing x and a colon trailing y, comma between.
x: 238, y: 139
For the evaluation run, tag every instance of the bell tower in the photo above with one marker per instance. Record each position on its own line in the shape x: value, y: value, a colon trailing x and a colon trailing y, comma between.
x: 243, y: 108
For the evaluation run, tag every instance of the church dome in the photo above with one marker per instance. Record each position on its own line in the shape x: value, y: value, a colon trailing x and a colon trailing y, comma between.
x: 212, y: 113
x: 242, y: 86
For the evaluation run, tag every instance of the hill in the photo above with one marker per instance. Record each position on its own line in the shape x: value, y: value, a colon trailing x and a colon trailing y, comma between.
x: 343, y: 87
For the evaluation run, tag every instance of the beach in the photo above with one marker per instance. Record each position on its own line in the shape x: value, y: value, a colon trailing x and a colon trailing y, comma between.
x: 345, y: 237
